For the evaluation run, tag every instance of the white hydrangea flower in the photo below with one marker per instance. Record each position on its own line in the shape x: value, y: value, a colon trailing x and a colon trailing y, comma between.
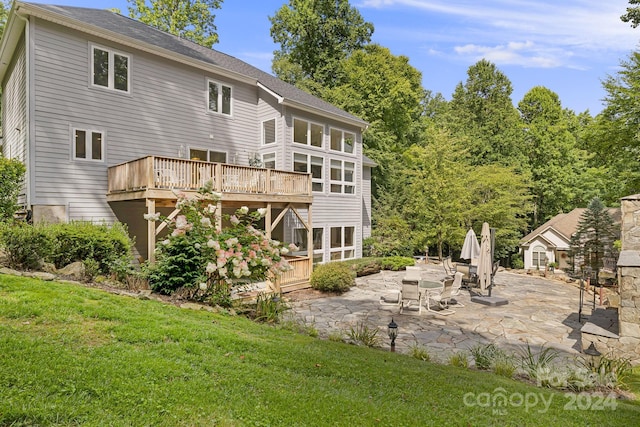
x: 244, y: 210
x: 203, y: 286
x: 152, y: 217
x: 262, y: 212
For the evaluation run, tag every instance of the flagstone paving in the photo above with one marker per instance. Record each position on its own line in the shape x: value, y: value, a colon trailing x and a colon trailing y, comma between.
x: 540, y: 312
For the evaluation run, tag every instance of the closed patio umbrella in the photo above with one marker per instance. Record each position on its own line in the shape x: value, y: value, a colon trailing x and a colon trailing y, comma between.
x: 470, y: 247
x: 485, y: 261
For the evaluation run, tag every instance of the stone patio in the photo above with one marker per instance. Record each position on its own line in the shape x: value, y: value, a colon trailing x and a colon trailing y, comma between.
x: 541, y: 312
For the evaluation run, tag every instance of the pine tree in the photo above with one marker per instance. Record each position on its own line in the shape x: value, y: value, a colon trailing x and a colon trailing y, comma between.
x: 594, y: 238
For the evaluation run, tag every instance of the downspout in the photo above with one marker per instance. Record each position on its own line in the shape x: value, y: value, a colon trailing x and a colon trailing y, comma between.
x: 29, y: 149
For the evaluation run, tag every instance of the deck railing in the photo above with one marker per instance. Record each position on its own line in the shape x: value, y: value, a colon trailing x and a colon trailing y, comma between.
x: 154, y: 172
x: 299, y: 273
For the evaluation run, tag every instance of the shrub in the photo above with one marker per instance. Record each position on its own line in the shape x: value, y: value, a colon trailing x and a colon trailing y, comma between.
x: 204, y: 262
x: 11, y: 176
x: 332, y: 277
x: 365, y: 266
x: 517, y: 262
x: 27, y: 246
x: 396, y: 263
x: 81, y: 241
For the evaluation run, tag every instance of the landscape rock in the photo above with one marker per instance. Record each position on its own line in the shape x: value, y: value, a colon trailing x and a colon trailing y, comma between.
x: 41, y: 275
x: 75, y: 270
x: 9, y: 271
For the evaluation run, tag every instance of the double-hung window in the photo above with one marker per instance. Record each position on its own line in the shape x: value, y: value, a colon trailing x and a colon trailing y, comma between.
x: 269, y: 160
x: 219, y: 98
x: 539, y: 256
x: 342, y: 177
x: 300, y: 240
x: 88, y: 145
x: 110, y: 69
x: 307, y: 133
x: 342, y: 141
x: 342, y: 243
x: 269, y: 131
x: 313, y: 164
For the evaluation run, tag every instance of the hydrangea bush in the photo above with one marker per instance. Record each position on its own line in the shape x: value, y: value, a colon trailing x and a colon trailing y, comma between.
x: 207, y: 262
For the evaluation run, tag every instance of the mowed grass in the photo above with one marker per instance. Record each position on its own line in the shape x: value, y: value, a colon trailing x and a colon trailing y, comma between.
x: 71, y: 355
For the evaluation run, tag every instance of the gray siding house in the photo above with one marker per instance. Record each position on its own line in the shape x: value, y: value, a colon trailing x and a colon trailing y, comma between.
x: 111, y: 116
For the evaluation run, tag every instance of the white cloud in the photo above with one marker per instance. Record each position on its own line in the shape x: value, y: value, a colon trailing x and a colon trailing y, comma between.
x: 544, y: 33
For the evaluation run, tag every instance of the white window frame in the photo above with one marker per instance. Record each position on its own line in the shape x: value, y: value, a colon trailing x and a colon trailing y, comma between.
x: 318, y: 249
x: 275, y: 131
x: 342, y: 249
x: 111, y: 77
x: 342, y: 141
x: 88, y: 146
x: 309, y: 163
x: 342, y: 182
x: 220, y: 98
x: 209, y: 151
x: 267, y: 157
x: 308, y: 132
x: 535, y: 256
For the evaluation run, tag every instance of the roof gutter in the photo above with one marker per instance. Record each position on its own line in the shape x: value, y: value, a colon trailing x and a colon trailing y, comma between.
x: 34, y: 10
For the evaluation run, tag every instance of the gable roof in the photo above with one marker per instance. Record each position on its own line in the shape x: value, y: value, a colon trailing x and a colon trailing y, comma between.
x: 128, y: 31
x: 566, y: 224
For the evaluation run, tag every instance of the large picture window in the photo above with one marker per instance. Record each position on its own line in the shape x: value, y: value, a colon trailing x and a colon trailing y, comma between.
x: 219, y: 98
x: 342, y: 243
x: 307, y: 133
x: 342, y: 141
x: 342, y: 177
x: 313, y: 164
x: 110, y: 69
x: 88, y: 145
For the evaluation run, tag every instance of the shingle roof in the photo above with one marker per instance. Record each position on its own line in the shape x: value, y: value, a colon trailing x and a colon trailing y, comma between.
x: 136, y: 30
x: 566, y: 224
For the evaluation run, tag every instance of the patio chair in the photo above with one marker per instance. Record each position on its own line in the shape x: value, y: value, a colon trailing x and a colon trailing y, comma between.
x: 410, y: 295
x: 456, y: 287
x: 449, y: 269
x: 442, y: 299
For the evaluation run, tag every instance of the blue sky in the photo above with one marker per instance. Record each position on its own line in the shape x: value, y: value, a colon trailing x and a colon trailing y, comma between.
x: 568, y: 46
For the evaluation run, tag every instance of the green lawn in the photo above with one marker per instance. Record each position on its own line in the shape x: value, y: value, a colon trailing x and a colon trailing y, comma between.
x: 71, y: 355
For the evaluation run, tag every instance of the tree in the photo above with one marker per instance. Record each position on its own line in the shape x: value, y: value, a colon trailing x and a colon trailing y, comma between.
x: 189, y: 19
x: 553, y: 159
x: 386, y: 91
x: 4, y: 14
x: 482, y: 109
x: 613, y: 135
x: 437, y: 195
x: 11, y: 176
x: 314, y: 37
x: 633, y: 14
x: 594, y: 238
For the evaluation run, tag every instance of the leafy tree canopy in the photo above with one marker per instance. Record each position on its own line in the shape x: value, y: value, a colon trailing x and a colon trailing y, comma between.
x: 189, y: 19
x: 482, y: 109
x: 633, y: 14
x: 314, y: 37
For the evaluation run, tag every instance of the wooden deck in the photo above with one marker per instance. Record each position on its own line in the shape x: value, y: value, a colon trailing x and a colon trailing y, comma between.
x: 155, y: 177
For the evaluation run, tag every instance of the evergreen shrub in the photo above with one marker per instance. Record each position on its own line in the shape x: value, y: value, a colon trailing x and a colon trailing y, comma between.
x: 332, y: 277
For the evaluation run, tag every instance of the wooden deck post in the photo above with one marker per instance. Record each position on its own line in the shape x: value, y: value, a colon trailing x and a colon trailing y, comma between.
x: 310, y: 238
x: 267, y: 221
x: 151, y: 232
